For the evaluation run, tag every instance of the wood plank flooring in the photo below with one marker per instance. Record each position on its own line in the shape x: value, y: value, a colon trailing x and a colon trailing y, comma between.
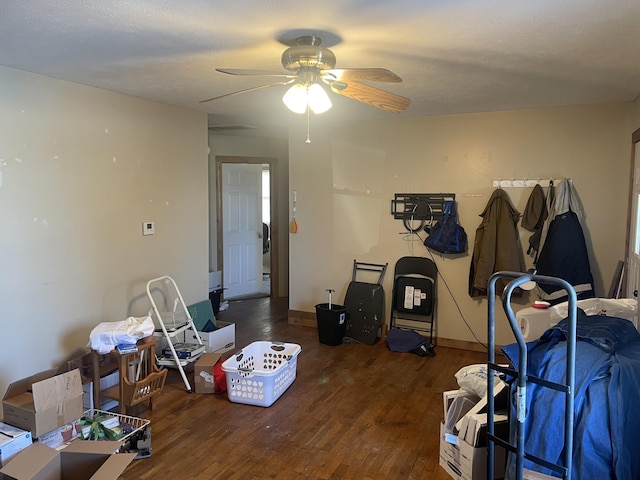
x: 353, y: 412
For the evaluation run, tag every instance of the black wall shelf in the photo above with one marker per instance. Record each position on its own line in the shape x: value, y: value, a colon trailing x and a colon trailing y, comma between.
x: 419, y: 206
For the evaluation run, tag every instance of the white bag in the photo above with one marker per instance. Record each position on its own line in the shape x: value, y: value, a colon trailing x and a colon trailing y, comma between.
x: 106, y: 335
x: 473, y: 379
x: 626, y: 308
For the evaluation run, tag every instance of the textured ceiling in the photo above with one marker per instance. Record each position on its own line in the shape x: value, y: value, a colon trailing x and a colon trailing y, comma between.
x: 454, y: 56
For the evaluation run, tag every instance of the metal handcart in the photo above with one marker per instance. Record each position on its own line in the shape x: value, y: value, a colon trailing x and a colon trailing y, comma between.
x: 365, y: 304
x: 522, y: 378
x: 173, y: 321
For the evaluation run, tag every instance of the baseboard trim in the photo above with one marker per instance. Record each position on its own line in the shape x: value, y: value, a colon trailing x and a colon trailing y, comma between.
x: 308, y: 319
x: 460, y: 344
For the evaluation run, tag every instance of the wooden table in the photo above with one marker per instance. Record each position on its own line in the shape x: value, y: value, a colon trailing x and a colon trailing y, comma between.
x: 139, y: 377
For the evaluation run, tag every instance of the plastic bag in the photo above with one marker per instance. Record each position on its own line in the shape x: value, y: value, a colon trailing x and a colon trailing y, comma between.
x: 220, y: 378
x: 626, y: 308
x: 473, y: 379
x: 106, y: 335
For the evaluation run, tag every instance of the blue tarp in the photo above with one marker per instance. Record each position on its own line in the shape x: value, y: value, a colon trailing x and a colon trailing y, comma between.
x: 607, y: 398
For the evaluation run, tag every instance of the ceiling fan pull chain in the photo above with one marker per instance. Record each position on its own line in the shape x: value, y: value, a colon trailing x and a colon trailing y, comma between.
x: 308, y: 140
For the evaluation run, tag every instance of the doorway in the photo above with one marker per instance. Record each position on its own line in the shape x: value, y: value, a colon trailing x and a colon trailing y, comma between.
x: 248, y: 260
x: 632, y: 278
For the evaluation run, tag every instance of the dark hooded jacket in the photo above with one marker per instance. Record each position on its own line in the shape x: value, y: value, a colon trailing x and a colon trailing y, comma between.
x: 497, y: 246
x: 534, y: 216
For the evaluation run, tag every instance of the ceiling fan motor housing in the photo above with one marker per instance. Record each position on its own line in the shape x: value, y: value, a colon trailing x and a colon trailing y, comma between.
x: 300, y: 56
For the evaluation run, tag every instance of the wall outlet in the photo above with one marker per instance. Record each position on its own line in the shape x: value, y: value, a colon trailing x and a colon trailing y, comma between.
x: 148, y: 228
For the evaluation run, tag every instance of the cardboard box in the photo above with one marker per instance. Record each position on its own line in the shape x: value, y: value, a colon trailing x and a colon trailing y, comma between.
x: 531, y: 475
x: 463, y: 453
x: 61, y: 436
x: 43, y: 402
x: 12, y: 440
x: 215, y: 280
x: 220, y: 340
x: 203, y: 373
x: 465, y: 462
x: 80, y: 460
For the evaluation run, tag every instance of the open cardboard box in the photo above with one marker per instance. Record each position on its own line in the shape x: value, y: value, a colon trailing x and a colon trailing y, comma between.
x: 220, y: 340
x: 463, y: 454
x: 44, y: 401
x: 80, y: 460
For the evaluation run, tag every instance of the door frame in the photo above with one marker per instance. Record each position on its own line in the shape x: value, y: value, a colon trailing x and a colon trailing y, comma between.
x: 635, y: 140
x: 273, y: 227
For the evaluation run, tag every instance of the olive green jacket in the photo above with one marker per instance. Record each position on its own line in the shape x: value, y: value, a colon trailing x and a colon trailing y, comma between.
x: 497, y: 244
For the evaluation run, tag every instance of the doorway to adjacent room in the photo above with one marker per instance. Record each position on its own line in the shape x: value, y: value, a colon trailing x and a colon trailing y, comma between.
x: 246, y: 238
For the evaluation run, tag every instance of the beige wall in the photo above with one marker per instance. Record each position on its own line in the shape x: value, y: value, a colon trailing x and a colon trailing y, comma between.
x: 346, y: 178
x: 80, y: 170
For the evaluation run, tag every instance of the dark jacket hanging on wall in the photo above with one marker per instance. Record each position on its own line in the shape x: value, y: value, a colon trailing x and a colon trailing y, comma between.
x: 534, y: 216
x: 563, y: 249
x: 497, y: 246
x: 564, y: 255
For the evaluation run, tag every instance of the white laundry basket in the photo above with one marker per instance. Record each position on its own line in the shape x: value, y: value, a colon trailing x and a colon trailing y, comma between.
x: 261, y: 372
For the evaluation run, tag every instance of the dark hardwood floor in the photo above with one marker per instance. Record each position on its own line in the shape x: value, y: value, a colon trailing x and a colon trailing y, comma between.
x: 353, y: 412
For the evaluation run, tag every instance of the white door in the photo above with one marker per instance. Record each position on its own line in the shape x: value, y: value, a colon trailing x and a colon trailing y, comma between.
x: 242, y: 229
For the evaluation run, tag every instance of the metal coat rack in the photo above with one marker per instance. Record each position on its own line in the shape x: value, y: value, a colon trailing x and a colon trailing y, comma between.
x: 521, y: 183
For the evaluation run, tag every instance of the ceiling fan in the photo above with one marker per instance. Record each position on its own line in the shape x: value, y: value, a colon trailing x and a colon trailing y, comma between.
x: 308, y: 65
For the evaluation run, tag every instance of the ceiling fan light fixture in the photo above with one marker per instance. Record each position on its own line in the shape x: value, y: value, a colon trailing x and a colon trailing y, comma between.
x: 318, y: 100
x: 300, y: 97
x: 296, y: 98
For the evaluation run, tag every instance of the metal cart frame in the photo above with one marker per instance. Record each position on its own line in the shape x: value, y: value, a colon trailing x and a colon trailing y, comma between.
x: 365, y: 303
x: 522, y: 377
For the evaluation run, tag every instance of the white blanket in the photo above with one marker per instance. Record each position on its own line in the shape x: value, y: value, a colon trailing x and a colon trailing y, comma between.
x: 106, y: 335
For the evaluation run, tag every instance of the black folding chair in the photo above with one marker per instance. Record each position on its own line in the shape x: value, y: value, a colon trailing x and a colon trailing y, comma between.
x: 413, y: 300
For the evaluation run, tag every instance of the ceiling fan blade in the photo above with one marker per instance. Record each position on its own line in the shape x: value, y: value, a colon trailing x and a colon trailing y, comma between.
x: 373, y: 96
x: 362, y: 74
x: 264, y: 73
x: 275, y: 84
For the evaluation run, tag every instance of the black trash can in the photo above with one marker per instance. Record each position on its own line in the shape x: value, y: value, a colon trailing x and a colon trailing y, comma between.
x: 214, y: 297
x: 332, y: 323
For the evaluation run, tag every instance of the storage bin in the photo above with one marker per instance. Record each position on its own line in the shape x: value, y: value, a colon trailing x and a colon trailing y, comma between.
x: 261, y: 372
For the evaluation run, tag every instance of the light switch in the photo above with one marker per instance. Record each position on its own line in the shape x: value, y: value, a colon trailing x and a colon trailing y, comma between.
x: 148, y: 228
